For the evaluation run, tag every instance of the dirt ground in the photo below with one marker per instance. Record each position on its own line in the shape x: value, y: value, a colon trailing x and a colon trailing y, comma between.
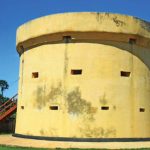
x: 13, y: 141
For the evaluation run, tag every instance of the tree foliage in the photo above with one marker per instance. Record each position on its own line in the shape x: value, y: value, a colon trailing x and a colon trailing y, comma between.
x: 3, y: 99
x: 3, y: 86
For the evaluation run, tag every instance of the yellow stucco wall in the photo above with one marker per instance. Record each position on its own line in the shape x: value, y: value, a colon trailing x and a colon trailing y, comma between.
x: 100, y: 47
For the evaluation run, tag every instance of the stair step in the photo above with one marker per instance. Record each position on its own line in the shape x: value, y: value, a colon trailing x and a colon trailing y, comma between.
x: 8, y: 108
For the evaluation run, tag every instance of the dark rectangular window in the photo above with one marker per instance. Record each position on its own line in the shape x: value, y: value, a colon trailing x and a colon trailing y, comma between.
x: 76, y: 71
x: 67, y: 39
x: 22, y: 107
x: 132, y: 41
x: 53, y: 107
x: 35, y: 74
x: 104, y: 108
x: 142, y: 109
x: 125, y: 73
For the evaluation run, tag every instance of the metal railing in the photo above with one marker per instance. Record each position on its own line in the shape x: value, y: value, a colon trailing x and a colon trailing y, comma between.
x: 8, y: 104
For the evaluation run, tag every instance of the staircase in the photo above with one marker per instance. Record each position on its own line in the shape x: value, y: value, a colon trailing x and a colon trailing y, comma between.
x: 8, y: 108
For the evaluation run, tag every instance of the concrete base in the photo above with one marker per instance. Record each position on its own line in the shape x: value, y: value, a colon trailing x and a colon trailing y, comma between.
x: 14, y: 141
x: 67, y: 139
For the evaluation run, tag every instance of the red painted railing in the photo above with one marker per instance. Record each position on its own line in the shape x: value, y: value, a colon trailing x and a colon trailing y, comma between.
x: 8, y: 108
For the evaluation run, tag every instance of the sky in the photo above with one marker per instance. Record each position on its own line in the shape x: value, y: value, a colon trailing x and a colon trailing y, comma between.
x: 13, y: 13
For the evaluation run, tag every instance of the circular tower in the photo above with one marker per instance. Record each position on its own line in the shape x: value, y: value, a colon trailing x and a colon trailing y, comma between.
x: 84, y: 76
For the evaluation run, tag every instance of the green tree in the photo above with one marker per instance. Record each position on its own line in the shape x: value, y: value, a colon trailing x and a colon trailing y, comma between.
x: 3, y: 99
x: 3, y: 86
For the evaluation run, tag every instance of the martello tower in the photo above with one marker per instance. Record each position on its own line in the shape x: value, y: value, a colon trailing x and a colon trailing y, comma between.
x: 84, y: 76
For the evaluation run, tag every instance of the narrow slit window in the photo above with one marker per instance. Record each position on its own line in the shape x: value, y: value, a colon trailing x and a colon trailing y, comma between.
x: 22, y: 107
x: 67, y: 39
x: 35, y: 74
x: 142, y: 109
x: 132, y: 41
x: 104, y: 108
x: 76, y: 71
x: 125, y: 74
x: 53, y: 107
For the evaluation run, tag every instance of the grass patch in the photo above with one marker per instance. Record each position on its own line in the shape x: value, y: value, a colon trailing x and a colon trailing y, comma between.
x: 4, y: 147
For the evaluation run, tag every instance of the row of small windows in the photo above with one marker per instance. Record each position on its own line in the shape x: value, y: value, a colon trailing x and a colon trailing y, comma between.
x: 68, y: 39
x: 107, y: 108
x: 79, y: 72
x: 101, y: 108
x: 51, y: 107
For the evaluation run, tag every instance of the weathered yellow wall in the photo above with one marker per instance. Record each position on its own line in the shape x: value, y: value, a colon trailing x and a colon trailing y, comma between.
x: 80, y: 97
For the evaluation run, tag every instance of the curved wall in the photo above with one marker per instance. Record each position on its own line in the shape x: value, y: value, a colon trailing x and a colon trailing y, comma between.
x: 84, y: 84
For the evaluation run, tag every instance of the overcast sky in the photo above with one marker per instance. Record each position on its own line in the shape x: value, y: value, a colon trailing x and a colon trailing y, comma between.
x: 13, y: 13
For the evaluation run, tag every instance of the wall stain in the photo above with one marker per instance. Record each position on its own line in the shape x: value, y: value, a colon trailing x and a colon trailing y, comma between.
x: 66, y: 60
x: 114, y: 107
x: 98, y: 132
x: 53, y: 132
x: 28, y: 133
x: 103, y: 100
x: 76, y: 104
x: 145, y: 25
x: 118, y: 22
x: 41, y: 99
x: 107, y: 14
x: 55, y: 92
x: 99, y: 16
x: 79, y: 106
x: 42, y: 132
